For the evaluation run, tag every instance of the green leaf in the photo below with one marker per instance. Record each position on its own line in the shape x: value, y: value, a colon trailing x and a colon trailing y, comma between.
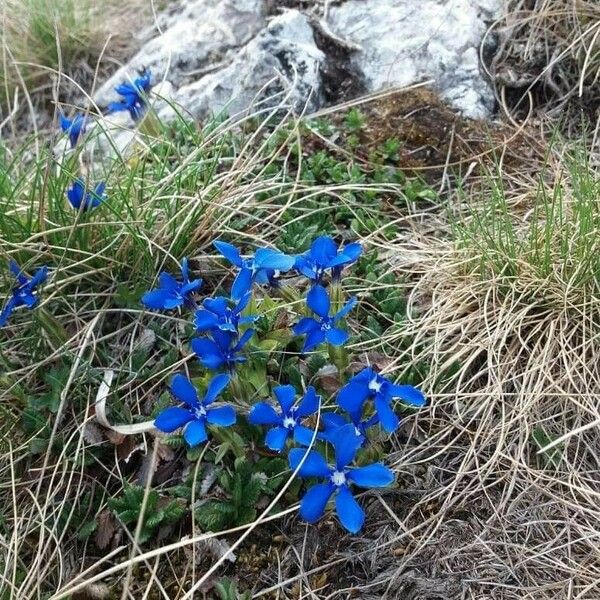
x: 553, y: 456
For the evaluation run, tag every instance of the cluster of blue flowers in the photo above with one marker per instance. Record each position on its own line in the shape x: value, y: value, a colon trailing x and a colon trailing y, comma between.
x: 225, y: 327
x: 84, y: 197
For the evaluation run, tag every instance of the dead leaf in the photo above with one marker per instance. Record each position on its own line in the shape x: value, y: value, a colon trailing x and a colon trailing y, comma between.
x: 114, y: 438
x: 92, y: 434
x: 107, y: 525
x: 216, y: 547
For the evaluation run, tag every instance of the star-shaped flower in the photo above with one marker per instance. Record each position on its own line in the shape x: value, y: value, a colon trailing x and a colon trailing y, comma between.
x: 325, y: 327
x: 337, y: 479
x: 171, y: 293
x: 84, y: 199
x: 369, y: 385
x: 324, y: 255
x: 23, y: 292
x: 264, y: 267
x: 333, y: 421
x: 197, y: 412
x: 287, y: 422
x: 74, y: 127
x: 133, y: 95
x: 222, y: 350
x: 217, y: 313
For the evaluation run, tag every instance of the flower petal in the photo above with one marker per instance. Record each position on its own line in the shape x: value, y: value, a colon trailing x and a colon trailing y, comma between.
x: 323, y: 250
x: 353, y: 395
x: 263, y: 414
x: 351, y: 515
x: 216, y: 305
x: 313, y: 339
x: 267, y: 258
x: 221, y: 415
x: 318, y: 300
x: 184, y: 390
x: 7, y: 311
x: 195, y: 432
x: 172, y: 418
x: 39, y: 277
x: 216, y: 385
x: 244, y: 339
x: 345, y: 443
x: 387, y: 417
x: 408, y: 394
x: 314, y: 465
x: 168, y: 282
x: 208, y: 352
x: 304, y: 435
x: 346, y: 308
x: 370, y: 476
x: 241, y: 284
x: 276, y: 438
x: 305, y: 325
x: 313, y: 503
x: 231, y: 253
x: 337, y: 337
x: 309, y: 404
x: 285, y: 394
x: 205, y: 320
x: 156, y: 299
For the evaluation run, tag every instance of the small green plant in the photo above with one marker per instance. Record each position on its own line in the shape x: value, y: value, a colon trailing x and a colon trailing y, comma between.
x: 355, y: 120
x: 227, y: 589
x: 157, y: 512
x: 242, y: 489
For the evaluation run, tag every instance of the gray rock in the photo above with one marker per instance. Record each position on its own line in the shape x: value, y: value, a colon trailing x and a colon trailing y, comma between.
x: 201, y: 35
x: 282, y: 64
x: 407, y: 41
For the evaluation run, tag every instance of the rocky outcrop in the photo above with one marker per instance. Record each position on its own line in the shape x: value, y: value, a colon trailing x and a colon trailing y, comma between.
x: 229, y: 54
x: 401, y: 42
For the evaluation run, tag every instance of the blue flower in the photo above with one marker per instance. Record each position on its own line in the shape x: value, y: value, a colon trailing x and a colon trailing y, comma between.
x: 197, y: 412
x: 216, y: 313
x: 369, y: 385
x: 23, y: 292
x: 222, y: 350
x: 134, y: 95
x: 317, y: 331
x: 323, y: 255
x: 333, y: 421
x: 287, y: 422
x: 82, y: 199
x: 337, y: 479
x: 171, y: 292
x: 74, y: 127
x: 264, y: 267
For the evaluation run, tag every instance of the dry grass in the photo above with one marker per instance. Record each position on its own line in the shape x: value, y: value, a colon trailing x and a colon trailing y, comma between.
x: 514, y: 305
x: 549, y: 59
x: 48, y: 45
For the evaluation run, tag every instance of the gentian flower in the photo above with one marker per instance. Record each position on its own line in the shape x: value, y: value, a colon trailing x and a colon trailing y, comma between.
x: 82, y: 199
x: 197, y: 412
x: 264, y: 267
x: 317, y: 331
x: 134, y: 95
x: 23, y: 292
x: 369, y: 385
x: 333, y: 421
x: 171, y: 292
x: 323, y: 255
x: 216, y: 313
x: 337, y: 479
x: 287, y: 422
x: 222, y: 350
x: 74, y: 127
